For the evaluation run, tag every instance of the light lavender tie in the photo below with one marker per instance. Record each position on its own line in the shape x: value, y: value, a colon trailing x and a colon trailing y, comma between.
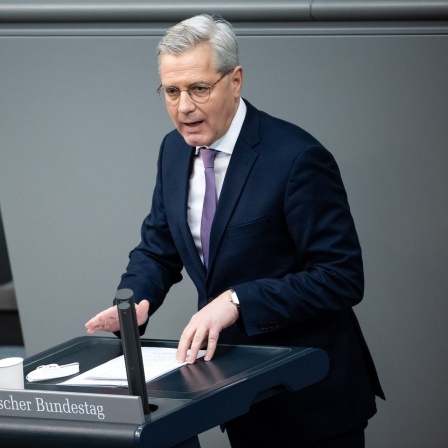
x: 210, y: 199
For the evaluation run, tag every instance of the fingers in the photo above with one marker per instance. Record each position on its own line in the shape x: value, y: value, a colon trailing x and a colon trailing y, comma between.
x: 185, y: 342
x: 142, y: 312
x: 211, y: 346
x: 106, y: 320
x: 191, y: 343
x: 189, y: 346
x: 204, y: 328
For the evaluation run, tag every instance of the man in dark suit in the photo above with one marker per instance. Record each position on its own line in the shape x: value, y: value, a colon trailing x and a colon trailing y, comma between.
x: 283, y: 263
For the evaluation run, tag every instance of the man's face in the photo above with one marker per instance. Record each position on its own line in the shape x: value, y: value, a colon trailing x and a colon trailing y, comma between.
x: 200, y: 124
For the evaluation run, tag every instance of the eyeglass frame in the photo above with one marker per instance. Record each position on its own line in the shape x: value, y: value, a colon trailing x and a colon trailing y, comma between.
x: 209, y: 88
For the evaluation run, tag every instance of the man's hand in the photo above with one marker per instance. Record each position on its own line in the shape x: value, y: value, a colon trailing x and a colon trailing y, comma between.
x: 205, y: 327
x: 107, y: 320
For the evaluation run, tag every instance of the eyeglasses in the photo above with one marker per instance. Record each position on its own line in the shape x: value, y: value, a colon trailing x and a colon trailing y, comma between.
x: 199, y: 93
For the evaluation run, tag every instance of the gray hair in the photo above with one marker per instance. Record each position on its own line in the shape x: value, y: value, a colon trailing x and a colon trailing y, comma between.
x: 211, y: 30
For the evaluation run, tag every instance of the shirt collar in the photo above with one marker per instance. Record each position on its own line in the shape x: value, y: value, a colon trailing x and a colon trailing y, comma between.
x: 227, y: 142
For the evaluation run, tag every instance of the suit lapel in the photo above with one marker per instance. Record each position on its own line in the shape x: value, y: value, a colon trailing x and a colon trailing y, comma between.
x: 241, y: 163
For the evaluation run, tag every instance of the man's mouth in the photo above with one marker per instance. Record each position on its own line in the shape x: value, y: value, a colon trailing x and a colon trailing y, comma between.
x: 192, y: 125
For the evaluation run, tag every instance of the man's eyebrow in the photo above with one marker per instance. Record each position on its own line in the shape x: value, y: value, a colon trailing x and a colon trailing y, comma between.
x: 203, y: 83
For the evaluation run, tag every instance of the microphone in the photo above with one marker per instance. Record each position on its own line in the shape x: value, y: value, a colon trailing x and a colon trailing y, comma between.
x: 132, y: 350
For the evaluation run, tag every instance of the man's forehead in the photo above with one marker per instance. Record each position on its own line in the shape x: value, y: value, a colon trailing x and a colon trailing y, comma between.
x: 191, y: 64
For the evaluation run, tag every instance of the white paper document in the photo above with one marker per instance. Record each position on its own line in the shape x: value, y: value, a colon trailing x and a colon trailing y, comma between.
x: 156, y: 361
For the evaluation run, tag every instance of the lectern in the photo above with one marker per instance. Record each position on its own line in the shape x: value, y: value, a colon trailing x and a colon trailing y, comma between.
x: 183, y: 403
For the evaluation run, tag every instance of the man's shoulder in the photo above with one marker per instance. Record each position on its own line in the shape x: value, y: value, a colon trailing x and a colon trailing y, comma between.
x: 270, y: 126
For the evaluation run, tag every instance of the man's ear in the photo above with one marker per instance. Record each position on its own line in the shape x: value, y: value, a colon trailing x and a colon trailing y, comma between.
x: 236, y: 79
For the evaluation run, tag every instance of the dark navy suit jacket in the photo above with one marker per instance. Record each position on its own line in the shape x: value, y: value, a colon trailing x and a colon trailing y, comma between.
x: 284, y: 239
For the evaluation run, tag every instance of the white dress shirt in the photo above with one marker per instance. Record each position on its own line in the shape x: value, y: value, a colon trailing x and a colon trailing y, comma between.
x: 196, y: 192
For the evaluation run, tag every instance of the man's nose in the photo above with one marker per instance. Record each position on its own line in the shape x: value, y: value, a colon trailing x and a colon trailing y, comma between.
x: 186, y: 104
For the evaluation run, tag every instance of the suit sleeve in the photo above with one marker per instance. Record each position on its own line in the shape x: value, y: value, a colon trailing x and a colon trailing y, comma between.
x: 328, y: 272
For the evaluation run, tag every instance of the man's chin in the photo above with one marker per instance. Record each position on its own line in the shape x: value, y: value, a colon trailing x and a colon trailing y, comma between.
x: 196, y: 140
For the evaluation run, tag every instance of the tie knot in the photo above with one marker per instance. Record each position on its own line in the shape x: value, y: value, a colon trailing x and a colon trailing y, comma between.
x: 208, y: 157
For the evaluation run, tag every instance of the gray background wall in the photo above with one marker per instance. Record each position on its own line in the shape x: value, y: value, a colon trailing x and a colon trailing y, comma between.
x: 80, y: 126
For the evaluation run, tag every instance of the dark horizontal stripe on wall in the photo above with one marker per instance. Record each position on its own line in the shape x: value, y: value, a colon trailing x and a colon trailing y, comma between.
x: 267, y: 11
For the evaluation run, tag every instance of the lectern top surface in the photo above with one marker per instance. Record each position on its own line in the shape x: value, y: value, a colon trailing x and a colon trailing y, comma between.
x: 230, y: 364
